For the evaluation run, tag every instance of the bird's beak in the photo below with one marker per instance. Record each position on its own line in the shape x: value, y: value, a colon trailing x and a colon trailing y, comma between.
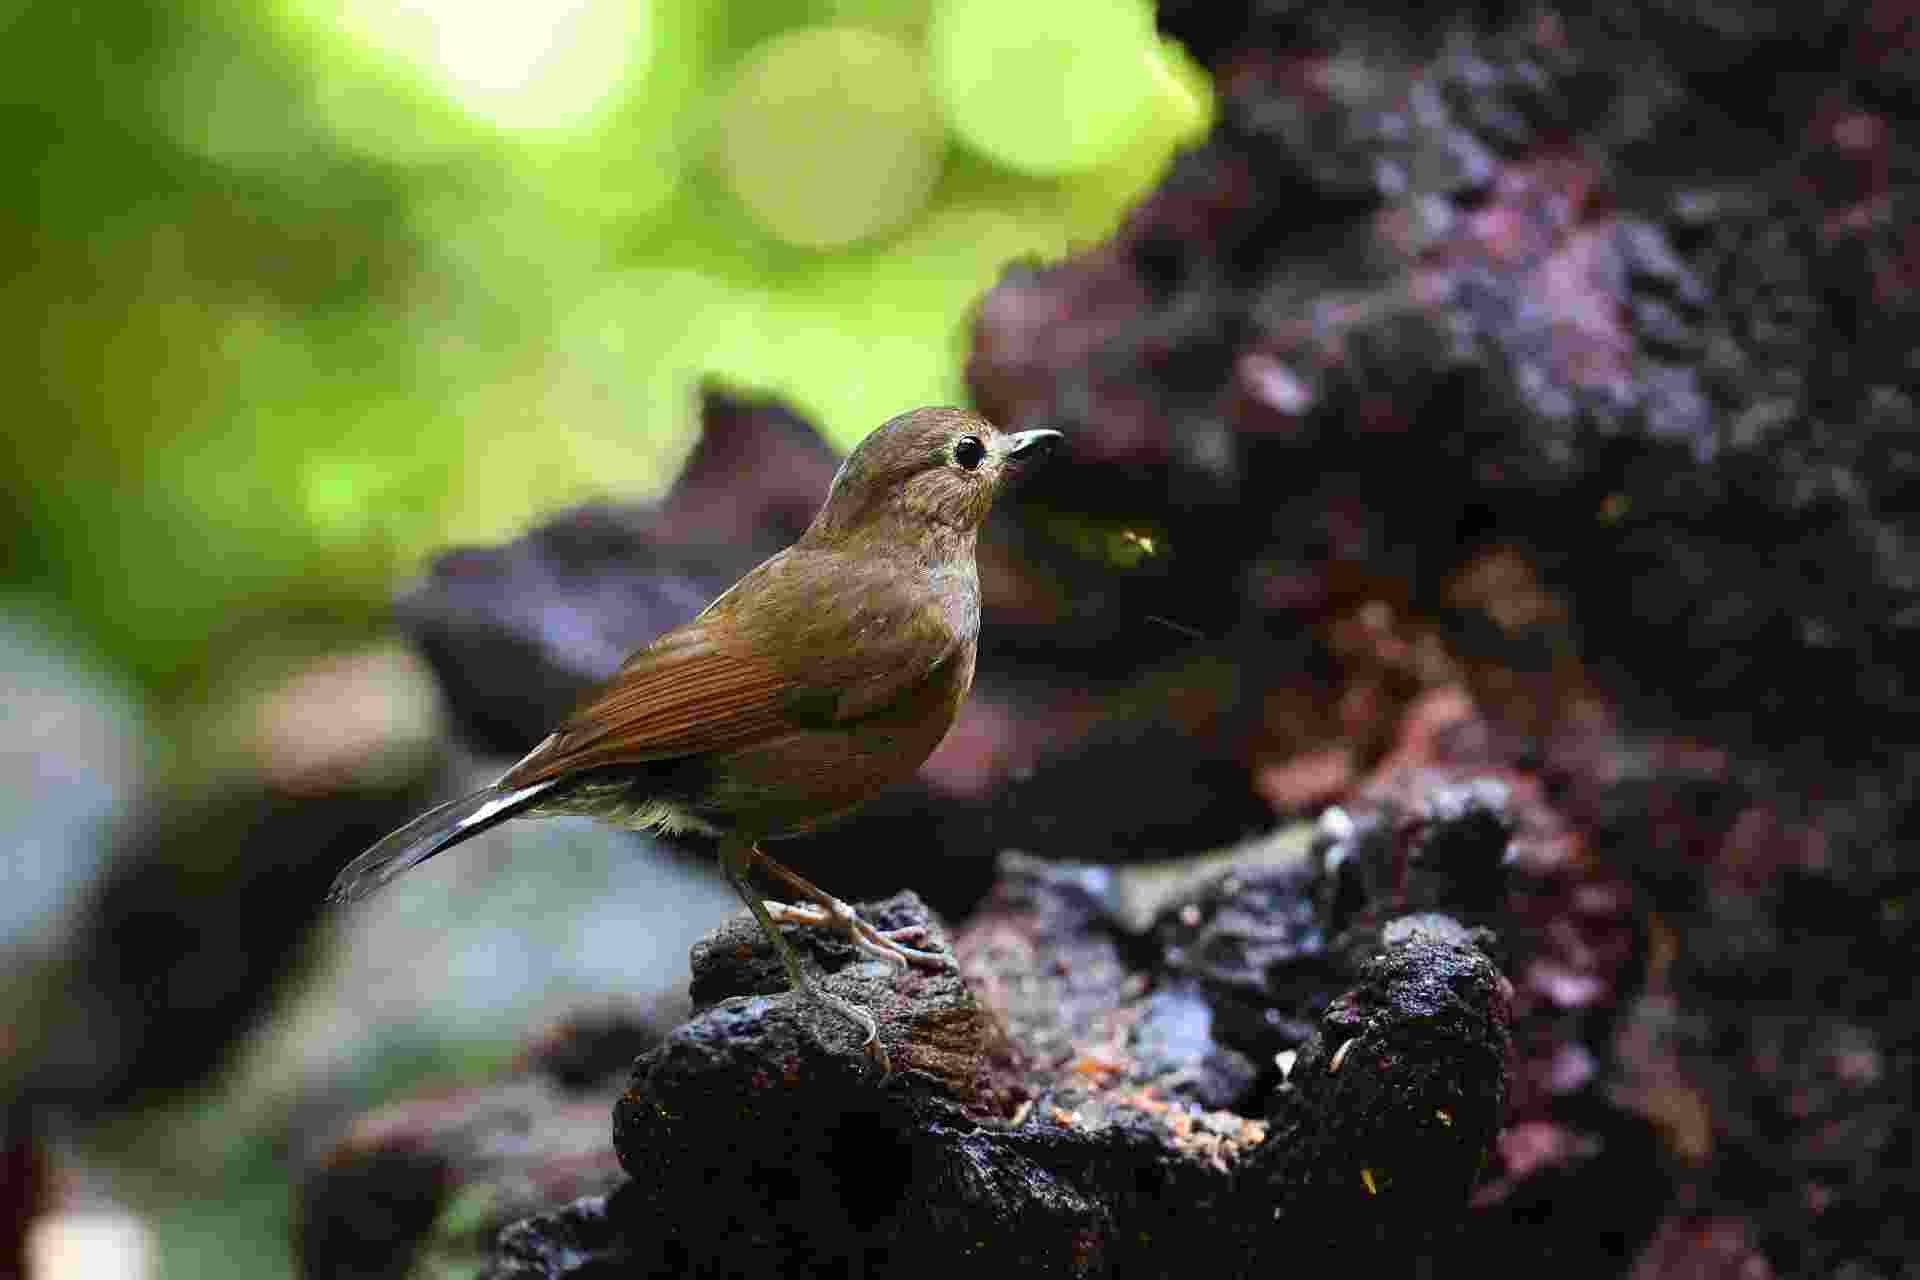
x: 1032, y: 446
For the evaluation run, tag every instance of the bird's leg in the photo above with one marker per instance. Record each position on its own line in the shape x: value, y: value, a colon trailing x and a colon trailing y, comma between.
x: 736, y: 857
x: 831, y: 912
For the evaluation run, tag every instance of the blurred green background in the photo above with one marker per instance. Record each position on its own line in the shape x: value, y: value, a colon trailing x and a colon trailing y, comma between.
x: 302, y: 290
x: 299, y: 292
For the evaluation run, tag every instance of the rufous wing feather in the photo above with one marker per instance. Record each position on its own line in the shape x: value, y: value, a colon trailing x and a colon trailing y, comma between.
x: 680, y: 696
x: 708, y: 686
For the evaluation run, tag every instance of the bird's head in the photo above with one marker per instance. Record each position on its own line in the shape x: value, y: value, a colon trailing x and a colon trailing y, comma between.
x: 935, y: 469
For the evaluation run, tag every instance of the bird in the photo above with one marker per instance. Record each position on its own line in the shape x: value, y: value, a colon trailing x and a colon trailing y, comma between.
x: 828, y: 673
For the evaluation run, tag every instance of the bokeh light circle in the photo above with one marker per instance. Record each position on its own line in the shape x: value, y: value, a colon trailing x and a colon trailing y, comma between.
x: 1045, y: 89
x: 829, y: 135
x: 537, y: 68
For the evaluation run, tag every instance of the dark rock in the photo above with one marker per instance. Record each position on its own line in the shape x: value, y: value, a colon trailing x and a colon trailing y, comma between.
x: 588, y: 1047
x: 1564, y: 365
x: 437, y: 1175
x: 1258, y: 945
x: 1695, y: 952
x: 1647, y: 384
x: 757, y: 475
x: 1133, y: 788
x: 1175, y: 1041
x: 584, y: 1240
x: 764, y: 1108
x: 370, y: 1217
x: 184, y: 941
x: 1462, y: 847
x: 1092, y: 1139
x: 518, y: 639
x: 1393, y: 1104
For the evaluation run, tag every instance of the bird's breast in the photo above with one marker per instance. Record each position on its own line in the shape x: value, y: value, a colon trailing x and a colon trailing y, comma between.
x: 810, y: 777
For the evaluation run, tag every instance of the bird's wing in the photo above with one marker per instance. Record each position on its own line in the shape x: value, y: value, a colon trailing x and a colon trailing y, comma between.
x: 847, y: 650
x: 680, y: 696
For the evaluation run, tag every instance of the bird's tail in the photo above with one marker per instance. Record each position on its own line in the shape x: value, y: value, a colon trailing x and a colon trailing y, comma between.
x: 431, y: 832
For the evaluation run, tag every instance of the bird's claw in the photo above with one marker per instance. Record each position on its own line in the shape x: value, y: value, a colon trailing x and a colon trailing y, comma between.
x: 888, y: 945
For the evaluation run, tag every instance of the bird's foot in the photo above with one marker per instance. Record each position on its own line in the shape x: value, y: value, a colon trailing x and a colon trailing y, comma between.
x: 734, y: 860
x: 889, y: 945
x: 827, y: 911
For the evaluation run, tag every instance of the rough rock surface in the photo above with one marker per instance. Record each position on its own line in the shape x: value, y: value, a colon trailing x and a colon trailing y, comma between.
x: 1065, y: 1110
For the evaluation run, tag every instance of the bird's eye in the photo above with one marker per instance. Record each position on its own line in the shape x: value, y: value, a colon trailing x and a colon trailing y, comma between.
x: 968, y: 452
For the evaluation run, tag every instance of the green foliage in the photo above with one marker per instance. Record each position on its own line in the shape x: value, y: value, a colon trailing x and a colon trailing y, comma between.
x: 300, y: 292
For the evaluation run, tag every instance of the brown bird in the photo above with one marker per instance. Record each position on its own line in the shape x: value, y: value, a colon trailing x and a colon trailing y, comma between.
x: 829, y: 672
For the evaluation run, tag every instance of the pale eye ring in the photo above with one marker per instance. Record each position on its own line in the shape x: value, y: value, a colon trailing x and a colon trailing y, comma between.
x: 969, y: 452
